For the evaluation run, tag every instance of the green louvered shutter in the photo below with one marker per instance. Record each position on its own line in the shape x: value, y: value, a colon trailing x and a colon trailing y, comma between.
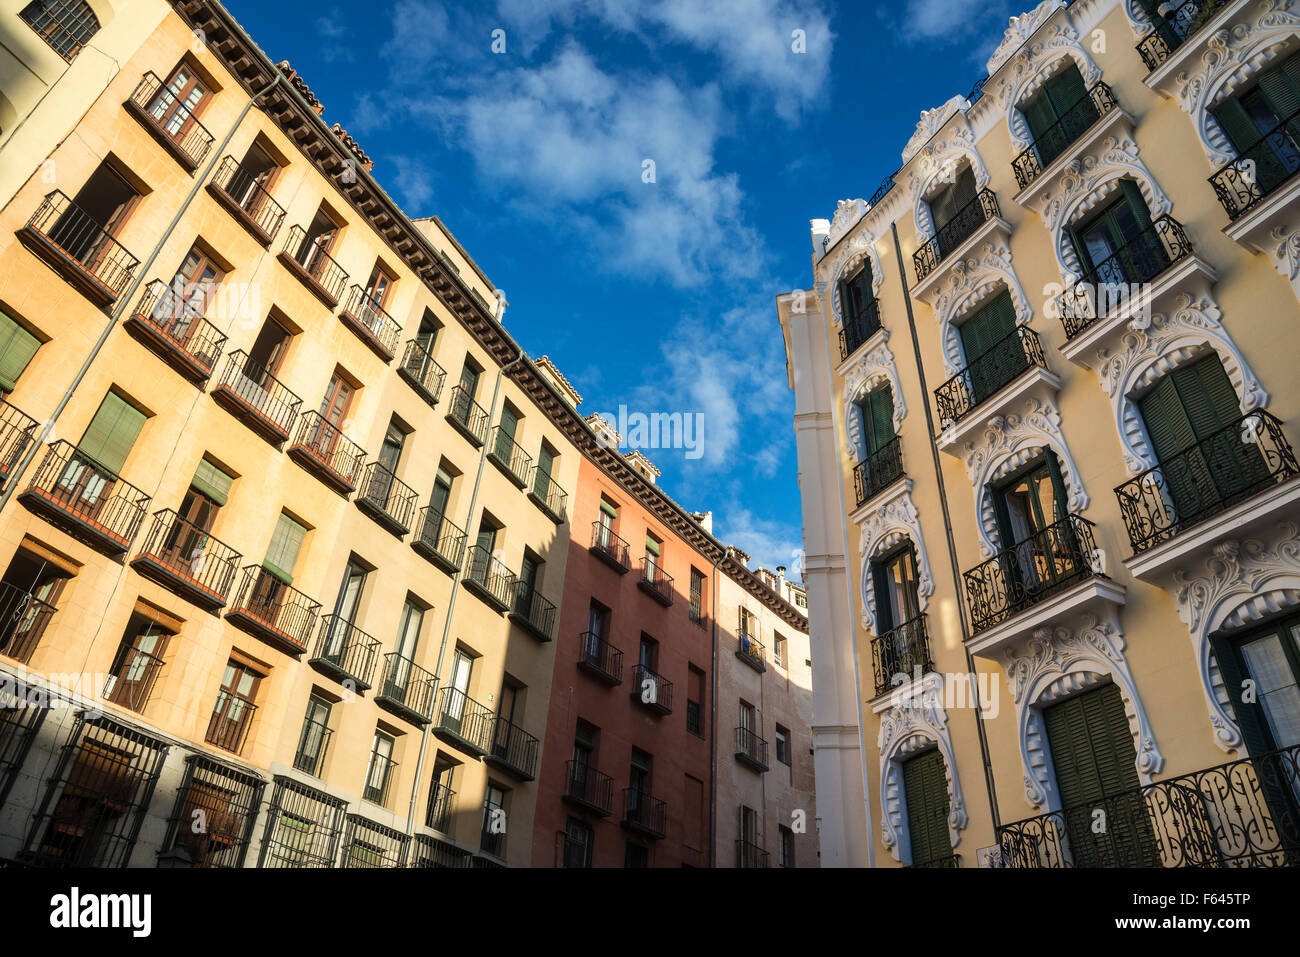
x: 988, y: 327
x: 878, y: 413
x: 212, y: 482
x: 282, y: 554
x: 1136, y: 202
x: 1237, y: 124
x: 1066, y: 89
x: 926, y: 790
x: 112, y: 432
x: 1281, y: 85
x: 1039, y: 115
x: 17, y: 346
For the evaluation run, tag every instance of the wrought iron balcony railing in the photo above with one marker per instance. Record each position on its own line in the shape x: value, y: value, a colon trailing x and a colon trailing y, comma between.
x: 345, y: 653
x: 80, y: 247
x: 750, y: 650
x: 751, y: 749
x: 750, y: 855
x: 509, y: 456
x: 23, y: 618
x: 547, y: 494
x: 1174, y: 29
x: 1226, y: 467
x: 1260, y: 169
x: 858, y: 329
x: 946, y: 862
x: 173, y: 323
x: 188, y: 559
x: 1238, y: 814
x: 17, y: 433
x: 903, y: 651
x: 387, y: 499
x: 380, y: 775
x: 429, y: 852
x: 241, y: 191
x: 326, y: 452
x: 420, y: 370
x: 131, y: 680
x: 1111, y: 287
x: 273, y: 611
x: 1031, y: 571
x: 600, y: 658
x: 988, y: 373
x: 588, y: 788
x: 230, y: 722
x: 372, y: 322
x: 1058, y: 137
x: 652, y: 690
x: 74, y: 490
x: 438, y: 811
x: 439, y: 539
x: 609, y: 548
x: 468, y: 417
x: 171, y: 120
x: 657, y: 583
x: 879, y: 470
x: 644, y: 812
x: 307, y: 258
x: 256, y: 397
x: 406, y: 689
x: 533, y: 611
x: 513, y: 750
x: 464, y: 721
x: 956, y: 231
x: 488, y: 578
x: 313, y: 745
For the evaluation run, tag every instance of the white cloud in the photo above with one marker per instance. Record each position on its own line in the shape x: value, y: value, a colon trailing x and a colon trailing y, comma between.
x: 768, y: 542
x: 412, y: 182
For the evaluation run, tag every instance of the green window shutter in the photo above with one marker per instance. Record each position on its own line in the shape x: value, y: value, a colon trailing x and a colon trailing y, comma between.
x: 1281, y: 85
x: 1136, y: 202
x: 112, y: 432
x: 282, y: 554
x: 925, y: 787
x: 1091, y: 746
x: 1039, y: 115
x: 1168, y: 426
x: 884, y: 609
x: 212, y: 482
x: 988, y: 326
x: 1207, y: 394
x: 545, y: 461
x: 17, y: 346
x: 964, y: 189
x: 878, y: 416
x: 509, y: 421
x: 1237, y: 124
x: 608, y: 509
x: 1066, y: 88
x: 652, y: 547
x: 847, y: 306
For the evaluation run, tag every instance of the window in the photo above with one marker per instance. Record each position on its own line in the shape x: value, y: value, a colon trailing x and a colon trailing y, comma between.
x: 694, y: 814
x: 267, y: 354
x: 179, y: 101
x: 750, y: 853
x: 66, y: 25
x: 436, y: 815
x: 638, y: 782
x: 313, y: 743
x: 1117, y: 244
x: 697, y: 596
x: 578, y: 840
x: 212, y: 819
x: 542, y: 481
x: 17, y: 346
x: 427, y: 334
x: 787, y: 845
x: 101, y: 207
x: 313, y: 254
x: 926, y: 791
x: 778, y: 649
x: 1262, y: 123
x: 378, y: 286
x: 282, y: 553
x: 469, y: 376
x: 249, y: 186
x: 947, y: 208
x: 992, y: 324
x: 581, y: 783
x: 695, y: 701
x: 302, y: 827
x: 379, y: 772
x: 441, y: 495
x: 783, y: 745
x: 648, y: 653
x: 493, y: 838
x: 457, y: 697
x: 137, y: 662
x: 29, y: 597
x: 897, y: 599
x: 111, y: 433
x: 856, y: 293
x: 408, y: 632
x: 877, y: 411
x: 1058, y: 114
x: 234, y: 710
x: 652, y: 546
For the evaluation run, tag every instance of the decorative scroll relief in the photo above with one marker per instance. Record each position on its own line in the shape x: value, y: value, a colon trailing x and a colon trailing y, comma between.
x: 969, y: 284
x: 1007, y: 443
x: 1284, y: 250
x: 1035, y: 65
x: 1019, y: 29
x: 931, y: 122
x: 1238, y: 584
x: 888, y: 525
x: 873, y: 371
x: 847, y: 214
x: 1056, y: 663
x: 936, y: 165
x: 859, y: 247
x: 915, y: 723
x: 1138, y: 20
x: 1149, y: 350
x: 1232, y: 57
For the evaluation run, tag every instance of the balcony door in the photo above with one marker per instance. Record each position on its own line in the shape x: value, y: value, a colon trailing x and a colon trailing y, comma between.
x: 251, y: 183
x: 639, y: 784
x: 529, y: 570
x: 454, y: 710
x: 505, y: 445
x: 191, y: 293
x: 263, y: 363
x: 345, y: 610
x: 505, y: 729
x: 1057, y: 115
x: 333, y: 412
x: 376, y: 296
x: 605, y: 520
x: 1264, y: 124
x: 88, y: 479
x: 390, y: 454
x: 597, y: 628
x: 925, y: 788
x: 177, y: 103
x: 584, y: 750
x: 897, y: 598
x: 1038, y: 542
x: 102, y: 205
x: 856, y: 293
x: 408, y: 639
x: 185, y: 542
x: 993, y: 354
x: 951, y: 210
x: 1116, y: 245
x: 319, y: 239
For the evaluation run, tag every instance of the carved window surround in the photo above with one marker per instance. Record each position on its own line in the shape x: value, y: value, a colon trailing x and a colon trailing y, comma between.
x: 973, y: 279
x: 870, y: 369
x: 887, y: 521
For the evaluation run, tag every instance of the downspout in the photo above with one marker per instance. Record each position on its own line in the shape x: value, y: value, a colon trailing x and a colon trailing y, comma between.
x: 951, y: 541
x: 126, y: 298
x: 455, y: 592
x: 713, y: 721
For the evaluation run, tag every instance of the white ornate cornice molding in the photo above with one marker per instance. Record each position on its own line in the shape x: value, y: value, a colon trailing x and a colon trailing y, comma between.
x: 936, y: 164
x: 931, y: 122
x: 867, y: 374
x: 1284, y: 251
x: 1150, y: 349
x: 848, y: 213
x: 969, y: 284
x: 891, y: 522
x: 1019, y: 29
x: 1009, y: 442
x: 1138, y: 20
x: 1056, y: 663
x: 1237, y: 584
x: 914, y: 724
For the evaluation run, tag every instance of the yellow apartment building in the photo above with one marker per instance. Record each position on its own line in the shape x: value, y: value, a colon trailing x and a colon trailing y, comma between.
x: 1045, y: 411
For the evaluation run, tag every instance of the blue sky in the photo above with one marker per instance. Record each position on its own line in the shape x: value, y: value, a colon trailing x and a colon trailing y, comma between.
x: 654, y: 295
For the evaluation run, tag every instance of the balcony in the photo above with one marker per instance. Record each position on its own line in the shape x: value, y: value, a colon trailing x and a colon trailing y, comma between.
x: 23, y: 618
x: 489, y: 579
x: 273, y: 611
x: 952, y: 236
x: 464, y: 723
x: 609, y: 548
x: 419, y: 370
x: 902, y: 652
x: 172, y: 326
x: 983, y: 384
x: 1238, y: 814
x: 532, y: 612
x: 17, y: 433
x: 600, y: 659
x: 1229, y: 476
x: 386, y: 499
x: 509, y: 456
x: 1055, y: 142
x: 1178, y: 24
x: 321, y: 448
x: 313, y: 746
x: 644, y: 813
x: 74, y: 492
x: 241, y: 192
x: 315, y: 268
x: 751, y: 750
x: 514, y: 750
x: 749, y: 854
x: 372, y: 324
x: 750, y: 650
x: 655, y: 582
x: 429, y: 852
x: 547, y: 495
x: 345, y: 653
x: 1260, y: 187
x: 170, y: 122
x: 79, y: 249
x: 878, y: 471
x: 1141, y: 278
x: 380, y: 775
x: 652, y: 691
x: 406, y: 690
x: 467, y: 417
x: 589, y: 789
x: 858, y: 329
x: 256, y: 398
x: 187, y: 560
x: 230, y: 722
x: 438, y: 813
x: 945, y: 863
x: 439, y: 540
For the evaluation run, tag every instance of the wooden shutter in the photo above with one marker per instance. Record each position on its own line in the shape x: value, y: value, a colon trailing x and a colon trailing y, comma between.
x: 545, y: 460
x: 1167, y: 423
x: 282, y: 554
x: 212, y: 482
x: 1137, y: 203
x: 509, y: 422
x: 1039, y: 115
x: 1092, y: 747
x: 1237, y: 124
x: 112, y: 432
x: 992, y: 323
x: 1207, y: 394
x: 1066, y: 88
x: 925, y: 787
x: 17, y: 346
x: 1281, y: 85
